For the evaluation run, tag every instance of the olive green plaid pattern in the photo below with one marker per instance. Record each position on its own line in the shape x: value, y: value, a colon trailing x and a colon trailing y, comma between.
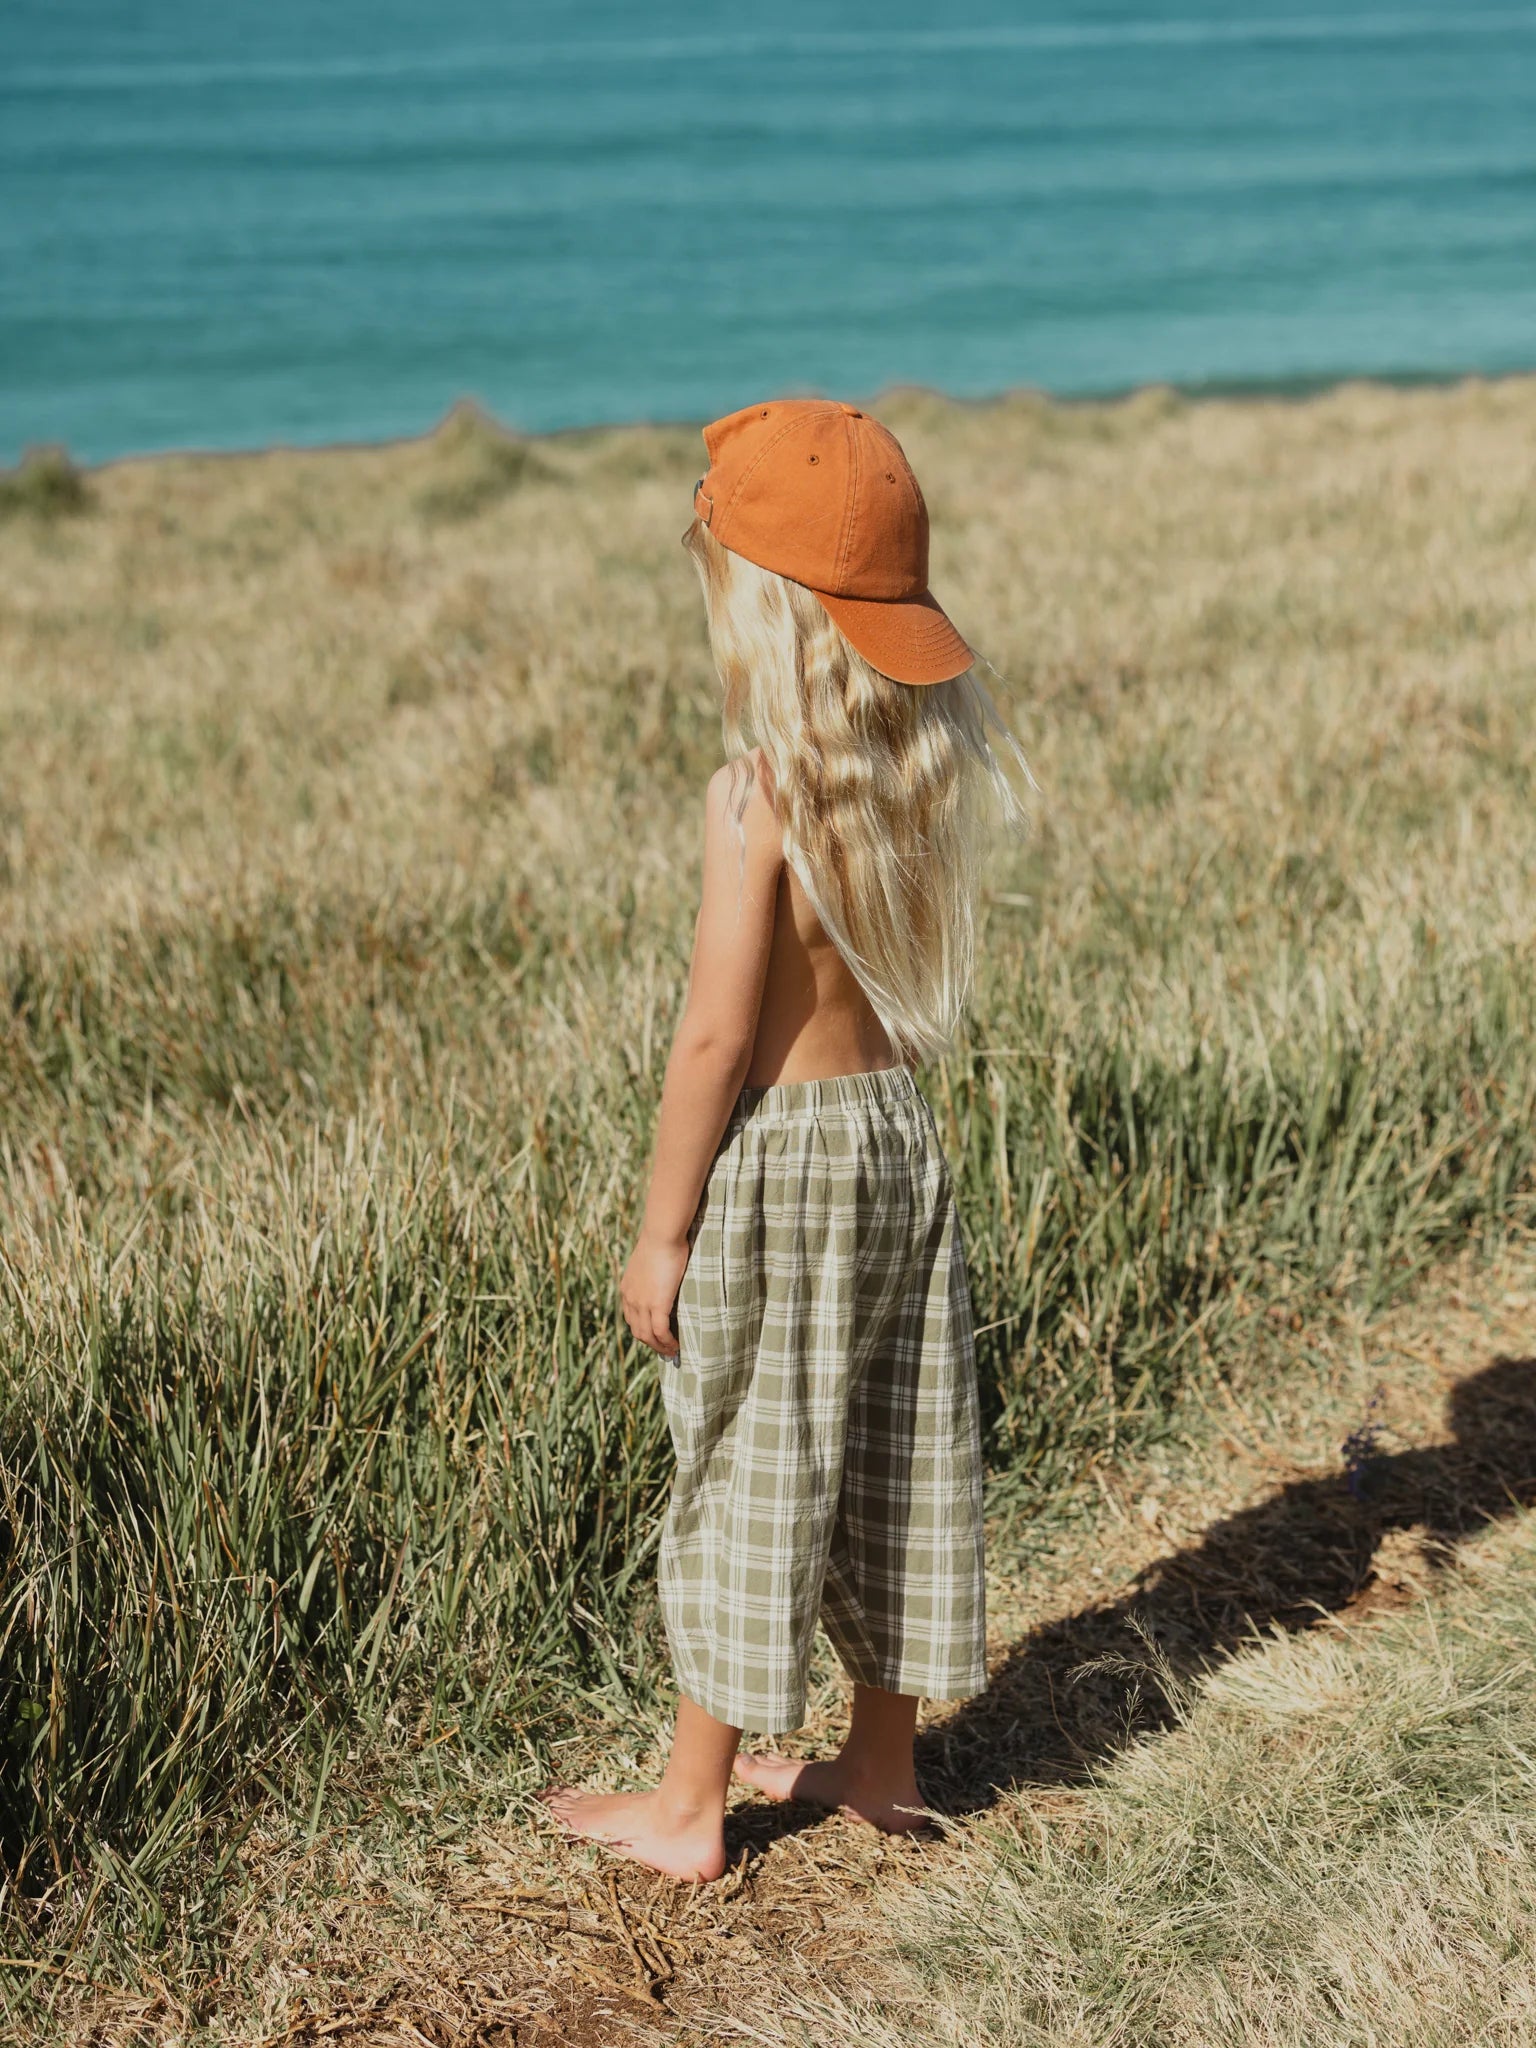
x: 823, y: 1409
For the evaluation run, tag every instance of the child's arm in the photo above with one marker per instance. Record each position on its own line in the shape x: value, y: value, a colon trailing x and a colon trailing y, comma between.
x: 713, y: 1046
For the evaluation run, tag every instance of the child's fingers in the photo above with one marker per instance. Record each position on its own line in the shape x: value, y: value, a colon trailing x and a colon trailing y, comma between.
x: 650, y: 1326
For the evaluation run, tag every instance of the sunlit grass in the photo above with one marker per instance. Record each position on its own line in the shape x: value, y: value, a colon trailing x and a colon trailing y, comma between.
x: 1332, y: 1845
x: 349, y: 820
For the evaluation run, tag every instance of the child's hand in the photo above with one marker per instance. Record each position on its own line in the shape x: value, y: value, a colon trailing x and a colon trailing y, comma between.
x: 648, y: 1291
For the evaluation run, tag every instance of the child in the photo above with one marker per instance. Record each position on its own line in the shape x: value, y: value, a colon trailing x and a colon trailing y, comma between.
x: 799, y: 1269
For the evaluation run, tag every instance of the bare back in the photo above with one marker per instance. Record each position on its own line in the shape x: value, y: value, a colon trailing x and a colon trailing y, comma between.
x: 815, y: 1020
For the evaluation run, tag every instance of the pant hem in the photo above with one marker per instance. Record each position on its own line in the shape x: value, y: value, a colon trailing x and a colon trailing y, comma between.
x: 919, y: 1686
x: 735, y: 1714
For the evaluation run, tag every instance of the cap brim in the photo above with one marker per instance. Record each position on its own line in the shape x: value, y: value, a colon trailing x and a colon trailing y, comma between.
x: 909, y: 639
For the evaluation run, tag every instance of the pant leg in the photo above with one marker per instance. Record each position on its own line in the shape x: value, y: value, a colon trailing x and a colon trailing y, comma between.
x: 904, y: 1602
x: 758, y: 1405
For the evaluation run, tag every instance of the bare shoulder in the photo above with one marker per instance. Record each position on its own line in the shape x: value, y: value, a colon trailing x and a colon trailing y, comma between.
x: 739, y: 795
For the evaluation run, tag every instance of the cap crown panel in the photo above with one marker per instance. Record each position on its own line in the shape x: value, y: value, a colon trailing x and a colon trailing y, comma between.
x: 820, y: 493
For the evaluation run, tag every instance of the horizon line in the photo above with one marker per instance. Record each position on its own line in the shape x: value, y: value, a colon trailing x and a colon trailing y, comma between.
x: 1282, y: 389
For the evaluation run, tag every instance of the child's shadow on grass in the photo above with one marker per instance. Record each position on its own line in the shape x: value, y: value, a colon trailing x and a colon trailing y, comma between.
x: 1074, y: 1691
x: 1308, y: 1551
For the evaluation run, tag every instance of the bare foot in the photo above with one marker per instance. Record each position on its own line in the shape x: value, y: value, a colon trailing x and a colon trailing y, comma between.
x: 893, y: 1807
x: 638, y: 1826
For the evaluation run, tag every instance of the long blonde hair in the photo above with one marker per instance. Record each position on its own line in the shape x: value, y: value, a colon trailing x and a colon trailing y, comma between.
x: 884, y: 791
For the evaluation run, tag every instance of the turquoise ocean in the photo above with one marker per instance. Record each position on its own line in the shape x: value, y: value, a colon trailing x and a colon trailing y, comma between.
x: 230, y: 224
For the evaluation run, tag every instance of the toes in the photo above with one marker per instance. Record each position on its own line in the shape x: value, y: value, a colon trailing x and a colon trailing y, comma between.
x: 559, y: 1802
x: 773, y: 1776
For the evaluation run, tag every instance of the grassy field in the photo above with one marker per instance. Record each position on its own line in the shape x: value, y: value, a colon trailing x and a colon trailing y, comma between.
x: 350, y: 807
x: 1330, y: 1840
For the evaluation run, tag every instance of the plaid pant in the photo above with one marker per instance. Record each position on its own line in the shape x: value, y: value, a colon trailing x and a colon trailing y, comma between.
x: 823, y: 1410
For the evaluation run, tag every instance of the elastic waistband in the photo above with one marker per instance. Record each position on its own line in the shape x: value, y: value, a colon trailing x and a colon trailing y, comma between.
x: 785, y: 1099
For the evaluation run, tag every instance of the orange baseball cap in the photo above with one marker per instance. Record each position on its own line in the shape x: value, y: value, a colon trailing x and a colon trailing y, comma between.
x: 821, y: 493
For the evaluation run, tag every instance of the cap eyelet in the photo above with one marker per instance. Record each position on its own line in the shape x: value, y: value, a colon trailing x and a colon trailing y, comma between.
x: 765, y: 412
x: 813, y: 458
x: 890, y: 476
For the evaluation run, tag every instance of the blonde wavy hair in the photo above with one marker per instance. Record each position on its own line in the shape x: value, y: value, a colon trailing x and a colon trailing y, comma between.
x: 885, y: 791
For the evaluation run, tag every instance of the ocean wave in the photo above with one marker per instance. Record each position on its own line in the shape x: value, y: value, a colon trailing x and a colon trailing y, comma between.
x: 510, y: 56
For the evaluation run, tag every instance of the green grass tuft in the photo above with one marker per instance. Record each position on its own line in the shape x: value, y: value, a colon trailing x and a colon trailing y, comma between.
x: 44, y: 485
x: 479, y: 464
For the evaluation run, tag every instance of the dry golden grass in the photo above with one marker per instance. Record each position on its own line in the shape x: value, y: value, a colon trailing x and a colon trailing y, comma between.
x: 349, y: 821
x: 1287, y: 639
